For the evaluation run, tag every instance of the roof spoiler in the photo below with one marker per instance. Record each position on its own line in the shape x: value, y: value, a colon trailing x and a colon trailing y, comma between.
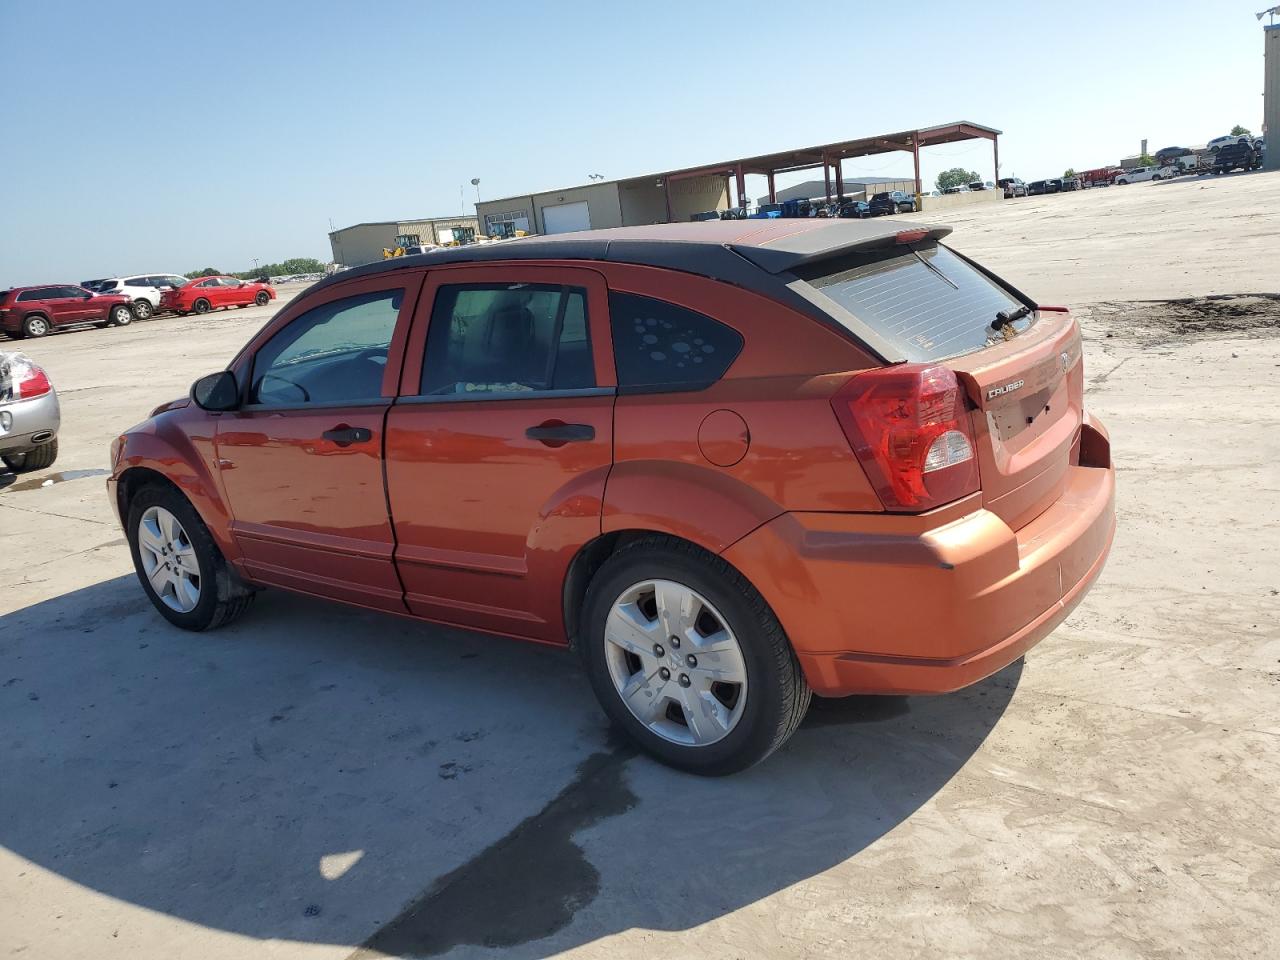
x: 787, y: 253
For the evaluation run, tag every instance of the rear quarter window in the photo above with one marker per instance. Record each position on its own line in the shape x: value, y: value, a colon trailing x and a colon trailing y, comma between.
x: 659, y: 346
x: 924, y: 299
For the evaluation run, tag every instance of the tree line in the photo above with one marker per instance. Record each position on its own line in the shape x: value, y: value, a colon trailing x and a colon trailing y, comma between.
x: 285, y: 269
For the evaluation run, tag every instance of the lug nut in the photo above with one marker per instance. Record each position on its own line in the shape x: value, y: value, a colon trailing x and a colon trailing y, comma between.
x: 684, y: 680
x: 658, y: 651
x: 691, y: 660
x: 675, y: 642
x: 664, y: 673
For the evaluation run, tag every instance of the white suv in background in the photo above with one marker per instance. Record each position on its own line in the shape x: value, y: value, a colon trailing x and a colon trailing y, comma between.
x: 145, y: 289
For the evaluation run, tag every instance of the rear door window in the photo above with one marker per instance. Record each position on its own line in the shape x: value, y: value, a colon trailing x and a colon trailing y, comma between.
x: 924, y: 299
x: 502, y: 339
x: 660, y: 346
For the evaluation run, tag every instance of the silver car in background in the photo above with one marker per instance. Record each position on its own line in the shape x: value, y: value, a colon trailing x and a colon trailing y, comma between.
x: 29, y: 415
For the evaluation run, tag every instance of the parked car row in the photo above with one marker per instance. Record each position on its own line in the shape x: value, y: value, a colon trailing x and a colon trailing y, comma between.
x: 880, y: 204
x: 39, y: 310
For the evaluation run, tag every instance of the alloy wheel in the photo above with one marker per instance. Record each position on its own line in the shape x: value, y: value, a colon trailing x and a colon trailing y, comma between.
x: 169, y: 560
x: 121, y: 316
x: 675, y: 662
x: 142, y: 309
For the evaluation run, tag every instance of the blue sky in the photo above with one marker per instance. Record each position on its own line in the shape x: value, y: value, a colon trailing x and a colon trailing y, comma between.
x: 170, y: 136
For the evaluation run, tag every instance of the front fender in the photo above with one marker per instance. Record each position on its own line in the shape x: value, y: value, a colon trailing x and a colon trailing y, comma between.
x: 178, y: 445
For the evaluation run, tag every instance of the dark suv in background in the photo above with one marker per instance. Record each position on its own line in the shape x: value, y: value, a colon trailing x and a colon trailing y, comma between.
x: 1234, y: 156
x: 36, y: 311
x: 1012, y: 187
x: 893, y: 201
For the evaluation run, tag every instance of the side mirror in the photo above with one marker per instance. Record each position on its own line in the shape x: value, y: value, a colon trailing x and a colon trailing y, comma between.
x: 217, y: 392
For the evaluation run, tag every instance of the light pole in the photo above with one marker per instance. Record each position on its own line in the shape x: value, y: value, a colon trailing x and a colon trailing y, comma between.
x: 255, y: 264
x: 475, y: 182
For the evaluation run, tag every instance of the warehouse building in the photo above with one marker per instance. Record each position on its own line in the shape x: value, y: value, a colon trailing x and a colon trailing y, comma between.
x: 676, y: 195
x: 364, y: 242
x: 609, y: 203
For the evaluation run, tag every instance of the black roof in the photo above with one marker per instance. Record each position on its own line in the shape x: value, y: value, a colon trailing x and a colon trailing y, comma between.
x: 758, y: 255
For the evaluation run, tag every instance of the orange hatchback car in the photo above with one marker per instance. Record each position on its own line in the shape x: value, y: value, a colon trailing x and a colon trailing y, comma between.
x: 732, y: 464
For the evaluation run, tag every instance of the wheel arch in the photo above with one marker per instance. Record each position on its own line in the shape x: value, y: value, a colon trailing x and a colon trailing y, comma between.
x: 169, y: 457
x: 592, y: 555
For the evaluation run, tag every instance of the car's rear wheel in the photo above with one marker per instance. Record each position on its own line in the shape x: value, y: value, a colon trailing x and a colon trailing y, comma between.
x: 121, y: 315
x: 201, y: 306
x: 36, y: 326
x: 687, y: 658
x: 36, y: 458
x: 262, y: 299
x: 142, y: 309
x: 181, y: 569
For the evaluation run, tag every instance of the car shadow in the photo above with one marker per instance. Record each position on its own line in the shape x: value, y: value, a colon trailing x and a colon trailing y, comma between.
x: 328, y: 775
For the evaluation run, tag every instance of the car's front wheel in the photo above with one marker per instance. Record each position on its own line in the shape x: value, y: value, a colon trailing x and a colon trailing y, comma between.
x: 121, y: 315
x: 182, y: 571
x: 262, y: 299
x: 687, y: 658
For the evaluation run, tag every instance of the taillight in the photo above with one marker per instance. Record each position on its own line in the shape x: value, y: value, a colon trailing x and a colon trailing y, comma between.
x: 31, y: 381
x: 910, y: 430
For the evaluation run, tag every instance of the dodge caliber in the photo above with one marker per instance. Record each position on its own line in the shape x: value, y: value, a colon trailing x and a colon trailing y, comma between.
x: 732, y: 465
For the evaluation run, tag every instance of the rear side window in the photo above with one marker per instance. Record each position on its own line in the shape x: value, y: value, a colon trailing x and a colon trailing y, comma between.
x: 923, y: 299
x: 659, y: 346
x: 502, y: 339
x: 41, y: 294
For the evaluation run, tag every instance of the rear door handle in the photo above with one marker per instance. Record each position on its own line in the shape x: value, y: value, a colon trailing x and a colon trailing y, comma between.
x: 344, y: 436
x: 554, y: 433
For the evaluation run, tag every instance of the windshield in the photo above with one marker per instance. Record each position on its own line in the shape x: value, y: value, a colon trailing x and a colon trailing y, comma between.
x: 924, y: 299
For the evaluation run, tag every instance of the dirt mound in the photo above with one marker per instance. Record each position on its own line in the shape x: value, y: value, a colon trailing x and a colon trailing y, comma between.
x: 1254, y: 314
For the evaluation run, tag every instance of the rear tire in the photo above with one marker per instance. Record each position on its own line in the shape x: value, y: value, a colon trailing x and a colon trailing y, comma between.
x: 201, y: 306
x: 35, y: 459
x: 222, y: 596
x: 36, y: 326
x: 142, y: 309
x: 774, y: 694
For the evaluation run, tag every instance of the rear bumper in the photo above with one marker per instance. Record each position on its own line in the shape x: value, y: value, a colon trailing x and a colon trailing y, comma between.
x: 26, y: 424
x: 927, y: 604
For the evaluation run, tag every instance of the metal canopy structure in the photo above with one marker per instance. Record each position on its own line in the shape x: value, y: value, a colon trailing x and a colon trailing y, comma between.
x: 828, y: 156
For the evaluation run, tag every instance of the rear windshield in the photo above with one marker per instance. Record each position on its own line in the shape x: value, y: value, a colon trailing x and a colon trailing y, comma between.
x: 923, y: 299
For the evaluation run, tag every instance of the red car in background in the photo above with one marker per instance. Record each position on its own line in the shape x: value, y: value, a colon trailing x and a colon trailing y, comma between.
x: 210, y: 293
x: 36, y: 311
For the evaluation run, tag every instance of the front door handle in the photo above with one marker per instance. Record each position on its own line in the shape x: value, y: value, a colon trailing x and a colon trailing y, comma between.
x: 555, y: 433
x: 344, y: 436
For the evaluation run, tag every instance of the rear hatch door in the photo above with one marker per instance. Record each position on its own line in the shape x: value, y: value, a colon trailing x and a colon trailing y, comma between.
x: 1024, y: 379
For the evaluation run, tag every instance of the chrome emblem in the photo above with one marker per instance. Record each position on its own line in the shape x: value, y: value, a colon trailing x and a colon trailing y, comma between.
x: 1007, y: 388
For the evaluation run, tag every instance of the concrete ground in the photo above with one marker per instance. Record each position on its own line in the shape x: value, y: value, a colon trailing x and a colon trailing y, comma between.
x: 319, y: 782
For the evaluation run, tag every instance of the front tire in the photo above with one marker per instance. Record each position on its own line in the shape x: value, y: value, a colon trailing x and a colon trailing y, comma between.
x: 181, y: 569
x: 201, y: 306
x: 262, y: 299
x: 686, y: 657
x: 121, y: 315
x: 37, y: 458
